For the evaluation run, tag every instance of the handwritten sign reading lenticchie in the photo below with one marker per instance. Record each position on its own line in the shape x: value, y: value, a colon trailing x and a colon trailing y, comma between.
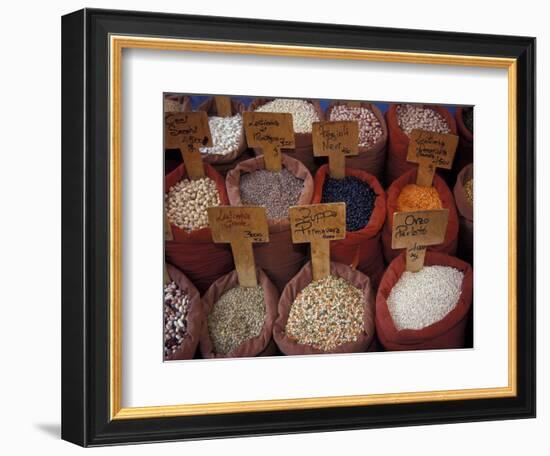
x: 318, y: 224
x: 223, y: 106
x: 431, y: 150
x: 240, y: 226
x: 270, y: 132
x: 336, y: 140
x: 188, y: 131
x: 415, y: 231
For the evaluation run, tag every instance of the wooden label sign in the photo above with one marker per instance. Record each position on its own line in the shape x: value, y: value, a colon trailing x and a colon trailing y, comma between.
x: 415, y: 231
x: 318, y: 224
x: 240, y: 226
x: 431, y: 150
x: 223, y: 106
x: 271, y: 132
x: 188, y: 131
x: 336, y: 140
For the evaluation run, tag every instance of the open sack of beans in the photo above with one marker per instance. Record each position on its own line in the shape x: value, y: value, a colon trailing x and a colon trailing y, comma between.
x: 249, y: 183
x: 427, y: 309
x: 332, y: 315
x: 373, y: 135
x: 464, y: 197
x: 304, y: 113
x: 239, y: 320
x: 183, y: 316
x: 402, y: 119
x: 192, y: 249
x: 227, y: 136
x: 465, y: 150
x: 365, y: 216
x: 404, y: 196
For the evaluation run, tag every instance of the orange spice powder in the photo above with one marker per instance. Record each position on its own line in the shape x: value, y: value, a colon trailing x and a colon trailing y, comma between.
x: 416, y: 198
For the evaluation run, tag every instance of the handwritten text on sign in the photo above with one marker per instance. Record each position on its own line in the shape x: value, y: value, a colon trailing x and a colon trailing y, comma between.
x: 187, y: 130
x: 338, y: 136
x: 229, y: 224
x: 437, y: 148
x: 318, y: 221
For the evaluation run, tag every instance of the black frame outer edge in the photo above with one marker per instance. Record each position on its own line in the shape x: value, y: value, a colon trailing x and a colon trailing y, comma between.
x: 85, y: 271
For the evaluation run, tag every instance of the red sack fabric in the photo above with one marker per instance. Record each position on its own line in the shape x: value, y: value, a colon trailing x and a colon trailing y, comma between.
x: 447, y: 333
x: 303, y: 150
x: 297, y: 284
x: 263, y: 344
x: 194, y: 253
x: 360, y: 249
x: 465, y: 150
x: 398, y: 142
x: 451, y: 236
x: 194, y: 317
x: 280, y: 258
x: 371, y: 159
x: 465, y: 215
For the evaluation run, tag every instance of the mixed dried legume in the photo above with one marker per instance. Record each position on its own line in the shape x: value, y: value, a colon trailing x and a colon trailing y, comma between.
x: 370, y: 129
x: 176, y: 309
x: 303, y: 112
x: 226, y: 133
x: 412, y: 117
x: 417, y: 198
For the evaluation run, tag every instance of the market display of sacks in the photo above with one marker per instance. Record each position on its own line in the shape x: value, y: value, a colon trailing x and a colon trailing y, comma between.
x: 194, y: 252
x: 187, y: 348
x: 448, y: 332
x: 303, y: 150
x: 259, y: 345
x: 279, y: 258
x: 364, y: 340
x: 372, y: 156
x: 465, y: 149
x: 465, y: 214
x: 450, y: 242
x: 361, y: 249
x: 174, y: 103
x: 398, y: 141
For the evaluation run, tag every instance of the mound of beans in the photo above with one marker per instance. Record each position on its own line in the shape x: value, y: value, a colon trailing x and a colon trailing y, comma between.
x: 370, y: 129
x: 303, y: 112
x: 417, y: 198
x: 412, y: 117
x: 469, y: 190
x: 468, y: 118
x: 358, y: 196
x: 176, y: 309
x: 236, y: 317
x: 187, y: 201
x: 276, y: 191
x: 226, y: 133
x: 325, y: 314
x: 420, y: 299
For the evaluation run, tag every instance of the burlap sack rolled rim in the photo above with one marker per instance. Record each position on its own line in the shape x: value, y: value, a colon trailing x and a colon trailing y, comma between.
x: 415, y: 336
x: 463, y: 131
x: 297, y: 168
x: 297, y: 284
x: 465, y: 209
x: 183, y: 100
x: 237, y: 107
x: 251, y: 347
x: 194, y: 317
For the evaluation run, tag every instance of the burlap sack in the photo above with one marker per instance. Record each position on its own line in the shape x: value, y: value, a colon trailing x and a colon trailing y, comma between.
x: 465, y: 150
x: 262, y: 345
x: 465, y: 215
x: 451, y: 235
x: 360, y: 249
x: 370, y: 159
x: 193, y: 252
x: 280, y: 258
x: 446, y: 333
x: 303, y: 150
x: 194, y: 317
x: 297, y: 284
x: 398, y: 142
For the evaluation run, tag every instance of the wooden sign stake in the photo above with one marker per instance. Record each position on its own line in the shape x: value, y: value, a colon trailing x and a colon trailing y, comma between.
x: 271, y: 132
x: 223, y: 106
x: 336, y: 140
x: 188, y: 131
x: 240, y: 226
x: 415, y: 231
x: 318, y: 224
x: 431, y: 150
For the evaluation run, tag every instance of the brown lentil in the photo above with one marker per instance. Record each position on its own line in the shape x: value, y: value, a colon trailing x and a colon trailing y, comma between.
x: 370, y: 129
x: 417, y: 198
x: 412, y: 117
x: 469, y: 190
x: 176, y: 309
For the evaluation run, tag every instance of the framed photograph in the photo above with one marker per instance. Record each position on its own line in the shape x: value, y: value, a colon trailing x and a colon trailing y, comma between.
x: 268, y: 227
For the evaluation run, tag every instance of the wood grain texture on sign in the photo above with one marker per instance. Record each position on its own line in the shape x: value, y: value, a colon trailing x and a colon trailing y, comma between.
x: 270, y: 132
x: 188, y: 131
x: 240, y: 226
x: 223, y: 105
x: 431, y: 150
x: 416, y: 230
x: 318, y: 224
x: 336, y: 139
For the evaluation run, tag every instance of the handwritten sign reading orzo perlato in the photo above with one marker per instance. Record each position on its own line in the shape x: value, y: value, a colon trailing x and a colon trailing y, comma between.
x: 318, y: 224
